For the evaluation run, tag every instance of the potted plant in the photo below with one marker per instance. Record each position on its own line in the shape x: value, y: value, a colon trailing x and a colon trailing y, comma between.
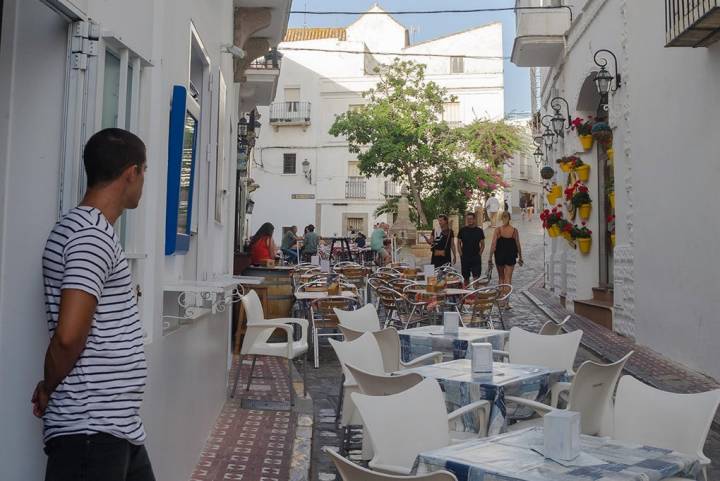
x: 582, y: 169
x: 564, y: 164
x: 581, y: 200
x: 610, y: 189
x: 566, y: 228
x: 583, y: 236
x: 611, y: 229
x: 550, y: 220
x: 554, y: 193
x: 602, y: 133
x: 583, y: 127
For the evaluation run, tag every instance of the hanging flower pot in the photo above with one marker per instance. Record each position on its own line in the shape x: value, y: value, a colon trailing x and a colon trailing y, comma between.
x: 611, y: 198
x: 567, y: 236
x: 547, y: 172
x: 583, y: 172
x: 584, y: 211
x: 584, y: 244
x: 553, y: 230
x: 566, y: 167
x: 586, y: 141
x: 611, y: 153
x: 612, y: 240
x: 556, y: 190
x: 552, y: 198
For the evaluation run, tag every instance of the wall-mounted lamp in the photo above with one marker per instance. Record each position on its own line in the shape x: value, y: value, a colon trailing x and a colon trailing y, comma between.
x: 538, y: 154
x: 604, y: 79
x: 548, y: 135
x: 558, y: 121
x: 307, y: 171
x: 249, y: 206
x: 242, y: 127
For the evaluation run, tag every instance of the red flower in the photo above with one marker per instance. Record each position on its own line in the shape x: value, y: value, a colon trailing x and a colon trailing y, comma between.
x: 584, y: 223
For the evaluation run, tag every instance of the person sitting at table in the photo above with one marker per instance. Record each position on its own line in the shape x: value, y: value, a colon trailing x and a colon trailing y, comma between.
x: 311, y: 241
x: 289, y: 244
x: 360, y: 240
x: 262, y: 246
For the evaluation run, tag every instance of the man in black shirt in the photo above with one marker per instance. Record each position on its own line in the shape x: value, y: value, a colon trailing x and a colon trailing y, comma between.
x: 472, y: 244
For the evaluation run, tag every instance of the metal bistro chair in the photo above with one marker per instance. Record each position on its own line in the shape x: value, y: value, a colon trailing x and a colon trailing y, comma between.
x: 400, y: 309
x: 482, y: 281
x: 479, y: 305
x: 322, y: 316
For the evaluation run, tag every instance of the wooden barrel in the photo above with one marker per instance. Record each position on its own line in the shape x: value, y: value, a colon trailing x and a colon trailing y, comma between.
x: 278, y: 285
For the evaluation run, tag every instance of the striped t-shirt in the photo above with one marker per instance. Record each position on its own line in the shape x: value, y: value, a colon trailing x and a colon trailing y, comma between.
x: 104, y: 390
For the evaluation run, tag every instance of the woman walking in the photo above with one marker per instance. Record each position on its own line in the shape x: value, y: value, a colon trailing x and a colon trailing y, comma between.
x: 506, y: 249
x: 443, y: 245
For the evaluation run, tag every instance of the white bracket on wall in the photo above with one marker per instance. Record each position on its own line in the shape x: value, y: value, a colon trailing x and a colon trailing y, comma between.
x: 198, y: 298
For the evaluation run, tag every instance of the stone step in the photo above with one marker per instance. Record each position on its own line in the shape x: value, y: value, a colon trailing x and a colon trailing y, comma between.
x: 603, y: 294
x: 598, y: 311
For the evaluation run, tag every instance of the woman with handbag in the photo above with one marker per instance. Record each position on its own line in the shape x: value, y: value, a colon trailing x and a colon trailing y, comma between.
x: 443, y: 245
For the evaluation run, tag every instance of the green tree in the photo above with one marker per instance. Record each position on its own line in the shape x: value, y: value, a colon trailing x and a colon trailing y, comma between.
x: 399, y: 134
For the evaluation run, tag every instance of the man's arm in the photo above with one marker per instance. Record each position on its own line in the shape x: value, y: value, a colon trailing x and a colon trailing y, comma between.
x: 482, y: 246
x: 68, y: 342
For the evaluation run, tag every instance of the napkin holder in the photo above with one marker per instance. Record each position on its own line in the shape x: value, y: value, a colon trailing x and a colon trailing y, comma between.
x: 482, y: 360
x: 561, y: 430
x: 451, y: 323
x: 315, y: 260
x: 429, y: 270
x: 325, y: 266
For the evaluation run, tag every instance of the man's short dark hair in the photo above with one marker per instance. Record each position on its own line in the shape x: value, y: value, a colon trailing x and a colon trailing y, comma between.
x: 311, y: 228
x: 443, y: 217
x: 109, y: 153
x: 472, y: 214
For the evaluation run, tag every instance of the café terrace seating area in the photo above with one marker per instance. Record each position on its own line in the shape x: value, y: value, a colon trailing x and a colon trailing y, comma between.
x: 441, y: 390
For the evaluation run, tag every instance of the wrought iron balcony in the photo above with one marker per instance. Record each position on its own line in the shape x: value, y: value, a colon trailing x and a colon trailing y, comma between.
x: 540, y: 27
x: 270, y: 61
x: 290, y: 113
x: 355, y: 188
x: 692, y: 23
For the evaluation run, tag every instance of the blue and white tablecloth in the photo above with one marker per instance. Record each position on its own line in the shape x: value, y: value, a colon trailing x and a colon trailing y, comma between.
x: 461, y: 389
x: 422, y: 340
x: 518, y: 456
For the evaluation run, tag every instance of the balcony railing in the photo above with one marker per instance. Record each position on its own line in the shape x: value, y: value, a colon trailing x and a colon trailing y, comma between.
x: 392, y: 188
x: 692, y: 23
x: 540, y: 27
x: 290, y: 113
x: 355, y: 188
x: 270, y: 61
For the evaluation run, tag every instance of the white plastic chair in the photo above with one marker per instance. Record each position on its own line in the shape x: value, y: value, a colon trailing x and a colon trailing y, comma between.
x: 389, y: 341
x: 590, y: 394
x: 662, y: 419
x: 383, y: 384
x: 555, y: 352
x: 403, y: 425
x: 364, y: 353
x: 552, y: 328
x: 258, y: 333
x: 350, y: 471
x: 365, y: 319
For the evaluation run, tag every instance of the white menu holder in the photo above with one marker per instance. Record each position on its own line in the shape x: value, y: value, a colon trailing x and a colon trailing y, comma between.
x: 429, y: 270
x: 325, y: 266
x: 482, y: 359
x: 451, y: 323
x: 315, y: 260
x: 562, y: 435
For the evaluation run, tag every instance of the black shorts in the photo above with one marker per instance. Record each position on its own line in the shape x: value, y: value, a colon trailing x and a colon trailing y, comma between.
x: 472, y: 265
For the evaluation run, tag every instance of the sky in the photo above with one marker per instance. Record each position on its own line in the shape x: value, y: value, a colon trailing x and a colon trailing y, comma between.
x: 426, y: 27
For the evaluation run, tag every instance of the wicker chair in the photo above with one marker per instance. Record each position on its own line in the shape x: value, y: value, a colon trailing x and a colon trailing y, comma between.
x: 401, y: 310
x: 479, y: 305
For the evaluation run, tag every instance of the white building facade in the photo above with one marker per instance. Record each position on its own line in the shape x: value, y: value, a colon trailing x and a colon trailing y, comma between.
x: 522, y: 173
x: 69, y: 68
x: 307, y: 176
x: 661, y: 274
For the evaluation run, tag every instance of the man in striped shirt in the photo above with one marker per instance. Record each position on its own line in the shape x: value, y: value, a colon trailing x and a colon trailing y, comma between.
x: 95, y: 367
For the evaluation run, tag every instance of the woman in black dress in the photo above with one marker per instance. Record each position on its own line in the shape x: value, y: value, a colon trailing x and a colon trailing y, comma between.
x: 443, y: 245
x: 506, y: 248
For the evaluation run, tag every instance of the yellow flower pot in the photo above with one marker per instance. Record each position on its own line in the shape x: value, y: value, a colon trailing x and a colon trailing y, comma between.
x: 584, y: 211
x: 586, y: 141
x: 565, y: 167
x: 552, y: 199
x: 612, y: 240
x: 567, y: 236
x: 556, y: 190
x: 611, y: 153
x: 584, y: 244
x: 553, y: 231
x: 583, y: 172
x: 611, y: 198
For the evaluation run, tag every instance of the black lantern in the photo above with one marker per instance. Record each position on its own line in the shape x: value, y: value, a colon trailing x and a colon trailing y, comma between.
x: 558, y: 120
x: 538, y: 156
x: 548, y: 137
x: 242, y: 127
x: 604, y: 79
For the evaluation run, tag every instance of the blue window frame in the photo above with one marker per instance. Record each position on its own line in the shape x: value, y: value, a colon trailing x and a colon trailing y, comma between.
x: 182, y: 153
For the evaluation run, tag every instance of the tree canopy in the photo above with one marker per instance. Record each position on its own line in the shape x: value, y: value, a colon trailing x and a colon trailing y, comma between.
x: 399, y: 134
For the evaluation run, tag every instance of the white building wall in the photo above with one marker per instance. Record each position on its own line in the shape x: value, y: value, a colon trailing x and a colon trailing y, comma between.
x: 333, y: 82
x: 188, y: 367
x: 664, y: 119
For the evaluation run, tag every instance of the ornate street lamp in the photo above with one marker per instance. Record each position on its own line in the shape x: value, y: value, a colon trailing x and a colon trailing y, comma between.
x: 604, y: 79
x: 558, y: 120
x: 548, y: 135
x: 537, y: 141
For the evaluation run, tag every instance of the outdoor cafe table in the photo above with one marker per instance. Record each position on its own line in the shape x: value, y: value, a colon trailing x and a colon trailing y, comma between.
x: 517, y: 456
x: 313, y: 295
x: 462, y: 388
x: 423, y: 340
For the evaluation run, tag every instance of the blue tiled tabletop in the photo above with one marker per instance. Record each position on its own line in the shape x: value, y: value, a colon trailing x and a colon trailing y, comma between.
x: 422, y: 340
